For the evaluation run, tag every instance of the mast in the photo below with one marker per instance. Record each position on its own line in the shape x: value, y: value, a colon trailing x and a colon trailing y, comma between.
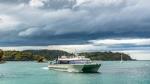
x: 57, y: 57
x: 121, y: 60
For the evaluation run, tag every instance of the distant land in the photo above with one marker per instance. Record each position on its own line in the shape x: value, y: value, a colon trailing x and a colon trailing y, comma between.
x: 32, y: 55
x: 107, y: 56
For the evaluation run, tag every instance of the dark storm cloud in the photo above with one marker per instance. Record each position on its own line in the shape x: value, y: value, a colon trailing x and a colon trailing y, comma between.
x: 44, y: 22
x: 13, y: 1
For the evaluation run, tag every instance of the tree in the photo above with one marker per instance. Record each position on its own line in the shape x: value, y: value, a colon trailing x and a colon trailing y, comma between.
x: 1, y: 54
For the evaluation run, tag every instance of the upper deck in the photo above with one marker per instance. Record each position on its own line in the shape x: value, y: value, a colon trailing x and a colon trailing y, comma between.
x: 73, y: 58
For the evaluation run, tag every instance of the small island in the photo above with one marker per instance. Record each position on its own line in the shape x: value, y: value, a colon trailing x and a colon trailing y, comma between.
x: 41, y: 55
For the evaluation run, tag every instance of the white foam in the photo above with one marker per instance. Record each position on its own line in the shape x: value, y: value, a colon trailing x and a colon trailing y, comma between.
x: 146, y: 64
x: 45, y: 68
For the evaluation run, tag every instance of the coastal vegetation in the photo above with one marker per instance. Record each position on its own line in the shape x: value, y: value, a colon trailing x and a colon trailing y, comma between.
x: 31, y: 55
x: 1, y: 56
x: 40, y: 55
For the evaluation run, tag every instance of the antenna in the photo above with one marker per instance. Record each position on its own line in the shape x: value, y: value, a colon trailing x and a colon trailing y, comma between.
x: 121, y: 60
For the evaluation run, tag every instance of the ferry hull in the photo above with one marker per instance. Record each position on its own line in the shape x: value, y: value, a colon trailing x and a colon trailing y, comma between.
x: 85, y: 68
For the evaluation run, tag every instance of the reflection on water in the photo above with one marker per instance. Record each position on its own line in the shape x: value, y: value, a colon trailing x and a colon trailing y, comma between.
x: 132, y: 72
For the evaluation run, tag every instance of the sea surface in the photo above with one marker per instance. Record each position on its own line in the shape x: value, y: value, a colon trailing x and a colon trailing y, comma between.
x: 111, y: 72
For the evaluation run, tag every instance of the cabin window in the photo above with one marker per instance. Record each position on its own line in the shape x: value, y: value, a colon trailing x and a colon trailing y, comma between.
x: 73, y: 62
x: 79, y: 62
x: 63, y: 62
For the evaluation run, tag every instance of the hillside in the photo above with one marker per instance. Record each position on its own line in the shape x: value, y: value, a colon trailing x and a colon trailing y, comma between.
x: 30, y: 55
x: 106, y: 56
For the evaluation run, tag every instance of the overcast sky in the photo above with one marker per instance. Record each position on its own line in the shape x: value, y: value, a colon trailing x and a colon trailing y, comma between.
x: 82, y: 25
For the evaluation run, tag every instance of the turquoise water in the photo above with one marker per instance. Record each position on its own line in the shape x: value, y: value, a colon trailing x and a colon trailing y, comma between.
x: 133, y: 72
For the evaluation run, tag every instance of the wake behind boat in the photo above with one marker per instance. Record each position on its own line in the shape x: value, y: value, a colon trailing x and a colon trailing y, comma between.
x: 74, y: 64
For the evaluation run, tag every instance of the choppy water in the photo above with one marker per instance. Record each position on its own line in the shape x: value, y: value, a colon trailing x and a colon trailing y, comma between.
x: 133, y: 72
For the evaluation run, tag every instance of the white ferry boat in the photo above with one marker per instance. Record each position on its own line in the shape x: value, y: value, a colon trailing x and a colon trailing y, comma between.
x: 74, y: 64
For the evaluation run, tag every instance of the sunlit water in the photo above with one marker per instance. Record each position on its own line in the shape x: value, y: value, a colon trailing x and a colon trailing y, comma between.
x: 132, y: 72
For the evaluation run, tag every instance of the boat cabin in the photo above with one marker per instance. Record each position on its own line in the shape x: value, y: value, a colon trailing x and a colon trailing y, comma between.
x: 73, y: 60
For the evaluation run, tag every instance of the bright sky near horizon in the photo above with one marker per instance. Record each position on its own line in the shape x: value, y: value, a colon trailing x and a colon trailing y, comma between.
x: 77, y: 25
